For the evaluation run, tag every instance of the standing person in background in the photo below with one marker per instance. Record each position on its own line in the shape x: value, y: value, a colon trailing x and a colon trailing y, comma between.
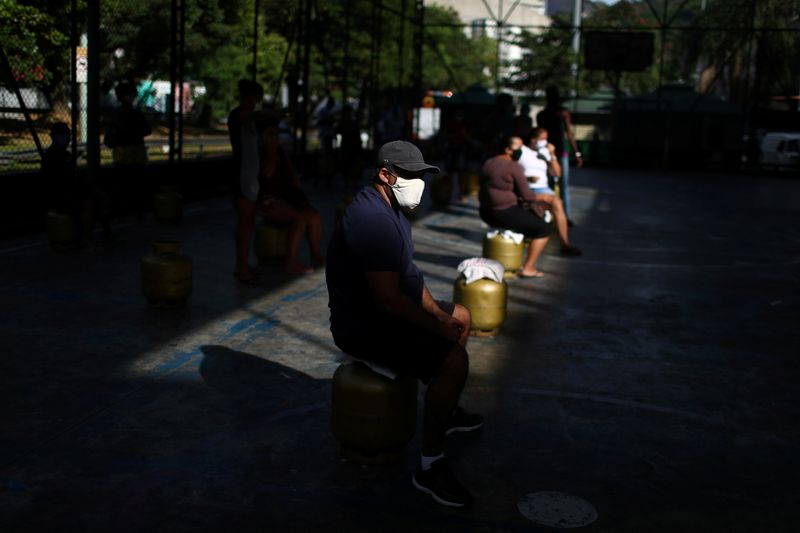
x: 326, y: 126
x: 457, y: 138
x: 350, y: 153
x: 125, y: 136
x: 244, y: 184
x: 523, y: 123
x: 557, y: 121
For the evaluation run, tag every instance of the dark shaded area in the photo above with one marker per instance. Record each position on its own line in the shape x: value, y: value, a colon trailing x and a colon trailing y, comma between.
x: 653, y: 377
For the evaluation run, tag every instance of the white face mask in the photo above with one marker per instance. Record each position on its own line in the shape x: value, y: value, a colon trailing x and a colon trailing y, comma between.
x: 408, y: 193
x: 541, y: 143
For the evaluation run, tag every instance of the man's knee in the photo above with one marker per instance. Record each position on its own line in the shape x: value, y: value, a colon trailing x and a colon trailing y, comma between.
x: 463, y: 315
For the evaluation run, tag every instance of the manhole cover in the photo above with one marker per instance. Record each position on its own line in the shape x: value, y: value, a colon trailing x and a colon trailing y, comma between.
x: 556, y: 509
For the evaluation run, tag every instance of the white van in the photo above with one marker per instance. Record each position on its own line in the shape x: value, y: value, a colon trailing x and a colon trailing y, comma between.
x: 780, y: 149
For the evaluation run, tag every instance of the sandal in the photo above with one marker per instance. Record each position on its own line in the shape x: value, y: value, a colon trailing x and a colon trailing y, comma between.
x: 539, y: 274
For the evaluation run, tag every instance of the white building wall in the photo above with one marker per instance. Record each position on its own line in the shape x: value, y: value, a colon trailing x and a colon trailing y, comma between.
x: 483, y: 20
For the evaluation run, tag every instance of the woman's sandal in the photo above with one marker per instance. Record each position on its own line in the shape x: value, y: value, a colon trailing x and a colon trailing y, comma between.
x: 539, y: 274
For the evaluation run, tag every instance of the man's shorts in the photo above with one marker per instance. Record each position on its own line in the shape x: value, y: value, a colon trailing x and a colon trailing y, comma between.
x: 517, y: 218
x: 400, y: 346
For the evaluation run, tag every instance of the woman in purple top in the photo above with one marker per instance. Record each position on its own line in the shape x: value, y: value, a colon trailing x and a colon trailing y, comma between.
x: 508, y: 203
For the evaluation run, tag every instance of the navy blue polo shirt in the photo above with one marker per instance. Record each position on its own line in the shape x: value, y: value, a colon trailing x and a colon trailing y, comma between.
x: 372, y: 236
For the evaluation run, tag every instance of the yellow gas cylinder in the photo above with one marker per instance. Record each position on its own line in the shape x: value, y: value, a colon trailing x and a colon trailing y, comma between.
x: 373, y: 417
x: 341, y: 207
x: 168, y: 204
x: 271, y: 241
x: 473, y: 183
x: 506, y: 251
x: 486, y: 301
x: 166, y: 275
x: 62, y: 230
x: 441, y: 190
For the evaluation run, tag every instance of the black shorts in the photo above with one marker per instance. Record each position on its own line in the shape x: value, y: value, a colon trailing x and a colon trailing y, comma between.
x: 517, y: 219
x: 400, y: 346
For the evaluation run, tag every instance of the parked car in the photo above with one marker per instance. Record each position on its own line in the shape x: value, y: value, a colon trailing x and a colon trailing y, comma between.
x: 780, y: 150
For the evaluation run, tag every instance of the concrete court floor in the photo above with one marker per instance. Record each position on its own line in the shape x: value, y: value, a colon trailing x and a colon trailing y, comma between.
x: 655, y: 377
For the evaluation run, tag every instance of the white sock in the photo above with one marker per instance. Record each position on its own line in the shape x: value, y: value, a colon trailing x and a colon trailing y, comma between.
x: 427, y: 460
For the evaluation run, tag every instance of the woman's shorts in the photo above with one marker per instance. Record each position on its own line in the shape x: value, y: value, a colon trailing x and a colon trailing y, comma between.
x: 403, y: 347
x: 543, y: 190
x: 518, y: 219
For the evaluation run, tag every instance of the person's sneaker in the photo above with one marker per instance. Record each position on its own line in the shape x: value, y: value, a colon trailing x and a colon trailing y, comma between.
x: 442, y: 485
x: 460, y: 420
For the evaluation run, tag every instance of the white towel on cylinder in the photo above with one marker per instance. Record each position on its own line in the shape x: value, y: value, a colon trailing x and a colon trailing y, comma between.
x: 476, y: 268
x: 506, y: 234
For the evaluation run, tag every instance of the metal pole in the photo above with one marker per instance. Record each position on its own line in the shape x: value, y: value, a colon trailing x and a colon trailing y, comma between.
x: 93, y: 90
x: 173, y: 76
x: 346, y: 58
x: 498, y: 29
x: 577, y: 12
x: 419, y: 32
x: 181, y: 66
x: 83, y: 98
x: 305, y: 79
x: 295, y: 79
x: 73, y: 70
x: 400, y: 45
x: 255, y: 39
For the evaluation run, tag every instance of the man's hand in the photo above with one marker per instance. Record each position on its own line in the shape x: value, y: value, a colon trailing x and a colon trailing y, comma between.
x: 451, y: 329
x: 538, y: 208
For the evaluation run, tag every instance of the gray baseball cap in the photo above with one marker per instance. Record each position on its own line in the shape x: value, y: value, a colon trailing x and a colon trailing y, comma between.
x: 405, y: 156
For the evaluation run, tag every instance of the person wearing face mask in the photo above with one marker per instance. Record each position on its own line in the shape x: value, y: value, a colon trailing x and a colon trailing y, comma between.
x: 382, y: 312
x: 538, y: 160
x: 506, y: 201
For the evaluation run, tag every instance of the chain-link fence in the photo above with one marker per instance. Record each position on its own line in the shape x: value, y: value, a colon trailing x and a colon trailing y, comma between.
x: 732, y: 62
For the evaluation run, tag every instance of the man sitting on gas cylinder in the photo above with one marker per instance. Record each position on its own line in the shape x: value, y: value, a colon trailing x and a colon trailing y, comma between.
x: 382, y: 312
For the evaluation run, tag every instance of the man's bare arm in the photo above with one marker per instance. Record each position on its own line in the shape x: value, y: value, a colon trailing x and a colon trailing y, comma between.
x: 385, y: 290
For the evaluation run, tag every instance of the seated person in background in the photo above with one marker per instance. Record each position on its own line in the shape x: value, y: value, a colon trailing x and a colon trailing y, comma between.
x: 280, y: 199
x: 66, y: 192
x: 538, y: 158
x: 58, y: 171
x: 508, y: 203
x: 382, y: 312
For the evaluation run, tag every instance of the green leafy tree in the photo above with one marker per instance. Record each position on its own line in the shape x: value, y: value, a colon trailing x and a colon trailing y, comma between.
x: 33, y: 42
x: 547, y: 58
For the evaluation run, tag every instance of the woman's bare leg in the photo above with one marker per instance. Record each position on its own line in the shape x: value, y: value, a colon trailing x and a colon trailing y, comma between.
x: 535, y: 249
